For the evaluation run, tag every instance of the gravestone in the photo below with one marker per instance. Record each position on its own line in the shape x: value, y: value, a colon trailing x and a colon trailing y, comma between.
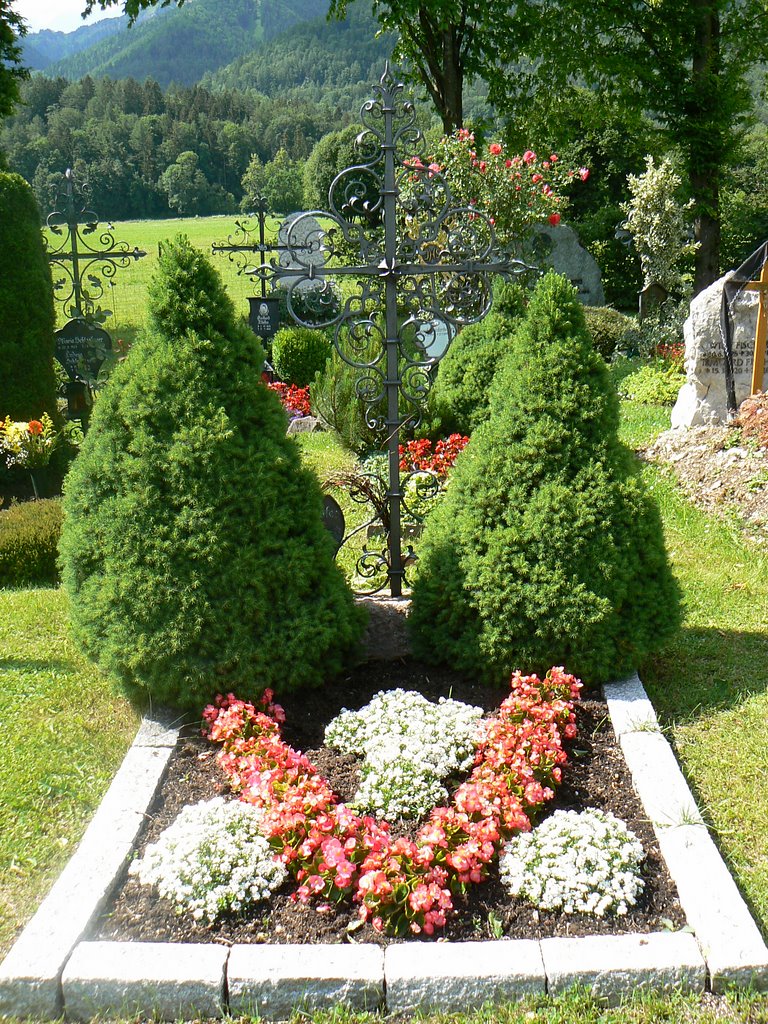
x: 702, y: 399
x: 563, y: 253
x: 82, y: 348
x: 302, y: 235
x: 264, y: 316
x: 333, y: 519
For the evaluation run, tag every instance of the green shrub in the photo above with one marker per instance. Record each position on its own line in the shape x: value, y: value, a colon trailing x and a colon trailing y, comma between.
x: 655, y: 384
x: 458, y: 401
x: 610, y: 330
x: 334, y: 399
x: 193, y: 548
x: 545, y: 550
x: 27, y: 318
x: 29, y: 542
x: 298, y: 353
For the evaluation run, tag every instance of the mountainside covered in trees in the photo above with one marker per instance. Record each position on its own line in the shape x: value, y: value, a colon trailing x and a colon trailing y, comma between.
x: 42, y: 49
x: 181, y: 44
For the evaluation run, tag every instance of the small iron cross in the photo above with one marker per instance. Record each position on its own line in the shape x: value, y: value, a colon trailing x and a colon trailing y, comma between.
x: 79, y: 260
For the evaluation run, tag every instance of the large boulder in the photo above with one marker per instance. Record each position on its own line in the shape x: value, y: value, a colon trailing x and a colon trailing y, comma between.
x: 702, y: 399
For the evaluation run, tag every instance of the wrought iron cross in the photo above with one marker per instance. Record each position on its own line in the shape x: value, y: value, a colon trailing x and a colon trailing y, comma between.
x: 79, y: 260
x: 425, y: 270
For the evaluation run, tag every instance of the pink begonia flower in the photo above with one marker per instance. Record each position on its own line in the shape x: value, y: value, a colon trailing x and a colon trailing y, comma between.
x: 529, y: 156
x: 536, y: 178
x: 554, y: 158
x: 583, y: 173
x: 554, y: 220
x: 495, y: 148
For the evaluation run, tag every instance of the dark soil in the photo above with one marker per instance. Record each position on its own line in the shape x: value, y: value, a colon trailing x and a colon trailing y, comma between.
x: 595, y: 776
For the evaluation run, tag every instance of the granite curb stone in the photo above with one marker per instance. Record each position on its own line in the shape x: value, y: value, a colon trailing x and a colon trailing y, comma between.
x: 730, y: 941
x: 167, y: 980
x: 30, y: 975
x: 164, y: 976
x: 451, y: 976
x: 615, y: 965
x: 272, y: 980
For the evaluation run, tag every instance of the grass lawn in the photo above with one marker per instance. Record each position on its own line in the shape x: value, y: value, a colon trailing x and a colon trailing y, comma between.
x: 64, y: 735
x: 68, y: 732
x: 127, y: 297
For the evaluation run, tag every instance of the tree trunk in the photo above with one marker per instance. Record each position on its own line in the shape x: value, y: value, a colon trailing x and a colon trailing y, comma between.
x: 705, y: 140
x: 453, y: 83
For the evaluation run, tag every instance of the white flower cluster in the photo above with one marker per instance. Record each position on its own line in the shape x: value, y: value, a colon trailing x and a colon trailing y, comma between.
x: 586, y: 862
x: 410, y: 746
x: 212, y: 859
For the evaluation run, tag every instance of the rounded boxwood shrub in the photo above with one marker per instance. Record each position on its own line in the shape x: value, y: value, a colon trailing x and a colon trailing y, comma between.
x: 193, y: 547
x: 29, y: 542
x: 27, y: 318
x: 298, y: 353
x: 610, y: 330
x: 546, y: 550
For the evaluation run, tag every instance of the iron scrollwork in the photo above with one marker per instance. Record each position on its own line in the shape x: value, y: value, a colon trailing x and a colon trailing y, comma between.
x: 422, y: 269
x: 87, y: 264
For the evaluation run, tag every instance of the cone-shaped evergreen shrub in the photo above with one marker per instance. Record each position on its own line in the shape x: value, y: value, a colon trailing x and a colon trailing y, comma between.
x: 546, y: 550
x: 193, y: 548
x: 27, y: 318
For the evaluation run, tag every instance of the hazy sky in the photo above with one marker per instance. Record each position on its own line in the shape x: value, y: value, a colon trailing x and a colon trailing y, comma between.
x: 61, y: 15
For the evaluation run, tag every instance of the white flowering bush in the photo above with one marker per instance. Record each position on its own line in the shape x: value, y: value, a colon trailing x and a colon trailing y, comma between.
x: 658, y: 223
x: 212, y: 859
x: 410, y: 746
x: 586, y: 862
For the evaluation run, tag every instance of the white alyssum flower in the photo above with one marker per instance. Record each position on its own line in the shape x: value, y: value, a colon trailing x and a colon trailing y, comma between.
x: 410, y: 746
x: 587, y: 862
x: 212, y: 859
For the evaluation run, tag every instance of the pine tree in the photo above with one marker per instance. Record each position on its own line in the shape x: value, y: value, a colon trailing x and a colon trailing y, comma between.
x: 546, y: 549
x: 193, y: 548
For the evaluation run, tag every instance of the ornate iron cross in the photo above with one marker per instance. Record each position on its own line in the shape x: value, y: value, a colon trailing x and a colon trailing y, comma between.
x: 80, y: 261
x: 424, y: 270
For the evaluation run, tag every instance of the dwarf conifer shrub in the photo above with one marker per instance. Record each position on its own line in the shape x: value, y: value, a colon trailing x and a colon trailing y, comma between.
x: 458, y: 401
x: 193, y: 548
x: 546, y: 550
x: 298, y: 353
x: 27, y: 318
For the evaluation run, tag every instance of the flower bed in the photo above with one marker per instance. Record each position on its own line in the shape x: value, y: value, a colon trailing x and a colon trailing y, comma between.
x: 595, y: 775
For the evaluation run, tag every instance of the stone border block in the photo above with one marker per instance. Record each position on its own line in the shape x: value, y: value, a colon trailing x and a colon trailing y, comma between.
x: 30, y: 975
x: 169, y: 980
x: 728, y: 936
x: 614, y: 966
x: 452, y: 976
x: 658, y: 780
x: 160, y: 729
x: 629, y: 707
x: 270, y: 981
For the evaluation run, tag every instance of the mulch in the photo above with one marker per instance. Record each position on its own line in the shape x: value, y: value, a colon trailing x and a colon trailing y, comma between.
x: 595, y: 776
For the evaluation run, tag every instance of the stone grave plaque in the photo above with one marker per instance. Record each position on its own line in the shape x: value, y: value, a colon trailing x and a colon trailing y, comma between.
x: 333, y: 520
x: 302, y: 236
x: 82, y: 347
x: 264, y: 316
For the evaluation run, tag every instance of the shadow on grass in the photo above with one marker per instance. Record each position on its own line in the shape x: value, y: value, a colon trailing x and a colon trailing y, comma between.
x: 59, y: 665
x: 706, y: 669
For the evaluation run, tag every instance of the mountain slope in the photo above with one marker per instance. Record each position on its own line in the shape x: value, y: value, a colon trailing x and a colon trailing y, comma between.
x: 181, y: 44
x: 332, y: 56
x: 41, y: 49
